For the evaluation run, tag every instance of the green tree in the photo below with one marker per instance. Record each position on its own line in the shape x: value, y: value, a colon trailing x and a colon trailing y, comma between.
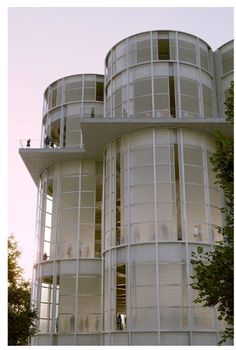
x: 213, y: 271
x: 21, y: 317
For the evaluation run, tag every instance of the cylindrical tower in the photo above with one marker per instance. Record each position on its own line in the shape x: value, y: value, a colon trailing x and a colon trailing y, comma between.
x: 161, y: 202
x: 224, y: 67
x: 68, y: 100
x: 67, y: 272
x: 160, y: 196
x: 127, y: 192
x: 160, y: 74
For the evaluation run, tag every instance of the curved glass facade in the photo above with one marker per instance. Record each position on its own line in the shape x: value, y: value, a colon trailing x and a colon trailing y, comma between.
x: 67, y: 288
x: 121, y: 211
x: 161, y: 201
x: 224, y: 63
x: 67, y: 101
x: 159, y: 75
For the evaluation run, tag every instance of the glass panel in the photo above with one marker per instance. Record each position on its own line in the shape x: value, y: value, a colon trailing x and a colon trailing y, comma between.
x: 139, y: 176
x: 142, y: 212
x: 192, y: 155
x: 69, y: 200
x: 89, y: 94
x: 160, y: 85
x: 196, y: 212
x: 143, y: 232
x: 207, y: 101
x: 163, y: 49
x: 193, y: 174
x: 142, y: 194
x: 173, y: 318
x: 195, y: 193
x: 162, y: 154
x: 173, y: 296
x: 142, y: 104
x: 143, y: 296
x: 73, y: 91
x: 99, y: 91
x: 161, y: 102
x: 70, y: 184
x: 187, y: 51
x: 204, y: 58
x: 228, y: 61
x: 143, y: 319
x: 172, y: 274
x: 202, y: 318
x: 143, y: 274
x: 68, y: 216
x: 86, y: 215
x: 142, y: 87
x: 141, y: 156
x: 87, y: 199
x: 121, y: 297
x: 189, y: 87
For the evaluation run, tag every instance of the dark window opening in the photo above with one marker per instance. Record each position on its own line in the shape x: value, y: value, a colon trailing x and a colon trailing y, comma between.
x: 99, y: 91
x: 121, y: 297
x: 98, y: 212
x: 164, y: 49
x: 55, y: 134
x: 177, y: 189
x: 118, y: 231
x: 172, y: 96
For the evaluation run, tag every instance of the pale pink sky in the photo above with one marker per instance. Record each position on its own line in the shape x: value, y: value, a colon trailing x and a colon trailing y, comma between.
x: 48, y: 43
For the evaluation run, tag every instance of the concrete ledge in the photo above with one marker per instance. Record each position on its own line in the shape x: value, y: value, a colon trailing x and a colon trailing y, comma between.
x: 98, y: 132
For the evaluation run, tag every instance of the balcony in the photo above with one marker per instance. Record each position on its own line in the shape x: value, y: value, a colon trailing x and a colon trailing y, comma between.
x: 98, y: 132
x: 38, y: 156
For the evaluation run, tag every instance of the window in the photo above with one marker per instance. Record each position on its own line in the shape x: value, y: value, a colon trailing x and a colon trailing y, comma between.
x: 189, y: 97
x: 161, y: 96
x: 228, y: 61
x: 204, y: 58
x: 172, y: 96
x: 73, y: 91
x: 99, y: 91
x: 163, y: 49
x: 121, y: 297
x: 207, y: 101
x: 142, y: 87
x: 187, y: 51
x: 89, y: 90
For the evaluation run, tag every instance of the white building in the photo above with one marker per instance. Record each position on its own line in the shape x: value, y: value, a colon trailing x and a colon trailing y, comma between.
x: 126, y: 192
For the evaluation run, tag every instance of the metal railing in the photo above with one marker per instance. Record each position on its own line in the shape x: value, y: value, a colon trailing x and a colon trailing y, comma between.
x: 31, y: 143
x: 38, y: 143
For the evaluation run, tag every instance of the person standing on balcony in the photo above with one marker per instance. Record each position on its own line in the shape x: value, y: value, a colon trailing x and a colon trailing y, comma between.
x: 51, y: 142
x: 47, y: 141
x: 92, y: 112
x: 28, y: 143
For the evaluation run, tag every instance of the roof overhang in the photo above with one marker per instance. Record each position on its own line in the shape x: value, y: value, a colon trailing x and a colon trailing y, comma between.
x: 38, y: 159
x: 98, y: 132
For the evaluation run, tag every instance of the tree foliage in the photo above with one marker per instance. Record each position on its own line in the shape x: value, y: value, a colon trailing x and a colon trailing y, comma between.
x: 213, y: 270
x: 21, y: 316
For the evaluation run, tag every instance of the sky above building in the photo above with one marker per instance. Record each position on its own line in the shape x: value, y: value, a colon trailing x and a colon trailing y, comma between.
x: 45, y: 44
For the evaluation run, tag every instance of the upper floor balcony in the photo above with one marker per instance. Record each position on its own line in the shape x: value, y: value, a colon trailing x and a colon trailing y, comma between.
x: 86, y: 138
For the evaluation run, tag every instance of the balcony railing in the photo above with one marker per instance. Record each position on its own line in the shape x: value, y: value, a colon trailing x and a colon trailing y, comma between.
x: 38, y: 143
x: 31, y: 143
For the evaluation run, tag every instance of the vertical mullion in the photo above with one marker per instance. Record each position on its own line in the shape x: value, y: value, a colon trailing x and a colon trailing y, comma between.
x: 128, y: 276
x: 103, y: 247
x: 152, y: 76
x: 183, y: 210
x: 62, y: 136
x: 156, y: 243
x: 179, y: 114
